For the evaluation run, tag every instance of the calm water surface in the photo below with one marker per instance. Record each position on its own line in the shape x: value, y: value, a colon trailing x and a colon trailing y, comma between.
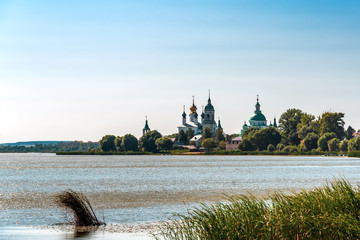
x: 137, y: 189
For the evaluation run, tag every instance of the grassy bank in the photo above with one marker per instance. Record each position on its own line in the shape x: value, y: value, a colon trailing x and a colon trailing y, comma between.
x: 223, y: 152
x: 354, y: 154
x: 102, y: 153
x: 330, y: 212
x: 238, y: 152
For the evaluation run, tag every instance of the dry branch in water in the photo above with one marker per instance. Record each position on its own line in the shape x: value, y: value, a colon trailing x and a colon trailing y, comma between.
x: 83, y: 212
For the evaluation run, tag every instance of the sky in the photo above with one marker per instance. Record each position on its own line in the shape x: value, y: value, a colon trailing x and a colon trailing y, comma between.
x: 78, y: 70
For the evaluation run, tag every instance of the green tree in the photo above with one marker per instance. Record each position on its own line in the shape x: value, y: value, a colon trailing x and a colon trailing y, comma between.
x: 250, y: 132
x: 221, y: 145
x: 147, y: 141
x: 332, y: 122
x: 344, y: 145
x: 207, y: 133
x: 189, y: 134
x: 324, y: 139
x: 164, y: 144
x: 261, y: 139
x: 219, y: 135
x: 354, y: 144
x: 208, y: 143
x: 182, y: 137
x: 349, y: 133
x: 311, y: 141
x: 246, y: 145
x: 288, y: 123
x: 130, y: 143
x: 290, y: 149
x: 271, y: 148
x: 280, y: 147
x: 118, y: 144
x: 107, y: 143
x: 334, y: 145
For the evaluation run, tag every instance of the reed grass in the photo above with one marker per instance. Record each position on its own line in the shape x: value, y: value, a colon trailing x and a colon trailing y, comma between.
x: 329, y: 212
x: 84, y: 215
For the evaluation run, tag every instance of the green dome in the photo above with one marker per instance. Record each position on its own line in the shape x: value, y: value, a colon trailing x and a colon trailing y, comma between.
x: 258, y: 117
x: 209, y: 107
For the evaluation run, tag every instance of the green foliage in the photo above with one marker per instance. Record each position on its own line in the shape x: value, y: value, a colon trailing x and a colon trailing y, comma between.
x: 248, y: 133
x: 130, y: 143
x: 189, y: 134
x: 219, y: 135
x: 270, y: 148
x: 330, y: 212
x: 221, y: 146
x: 118, y: 144
x: 334, y: 145
x: 349, y: 133
x: 310, y: 141
x: 290, y: 149
x: 323, y: 141
x: 207, y: 133
x: 246, y: 145
x: 280, y: 147
x: 208, y: 143
x: 354, y: 144
x: 52, y: 148
x: 147, y: 141
x: 266, y: 136
x: 107, y: 143
x: 254, y: 138
x: 354, y: 154
x: 183, y: 137
x: 288, y: 123
x: 344, y: 145
x: 164, y: 143
x: 332, y: 122
x: 174, y: 135
x: 312, y: 127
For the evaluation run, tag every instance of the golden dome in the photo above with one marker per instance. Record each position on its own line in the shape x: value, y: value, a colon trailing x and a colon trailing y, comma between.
x: 193, y: 108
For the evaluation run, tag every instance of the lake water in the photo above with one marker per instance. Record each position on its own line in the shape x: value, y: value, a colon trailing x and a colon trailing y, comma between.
x: 133, y: 192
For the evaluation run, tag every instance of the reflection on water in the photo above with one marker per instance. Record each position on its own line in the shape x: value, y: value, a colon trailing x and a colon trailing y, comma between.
x: 133, y: 189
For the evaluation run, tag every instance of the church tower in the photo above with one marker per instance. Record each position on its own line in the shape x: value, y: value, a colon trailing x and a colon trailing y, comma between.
x: 209, y: 117
x: 184, y: 117
x: 146, y: 128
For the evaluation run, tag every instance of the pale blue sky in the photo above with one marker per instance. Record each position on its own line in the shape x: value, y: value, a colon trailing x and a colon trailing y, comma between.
x: 77, y: 70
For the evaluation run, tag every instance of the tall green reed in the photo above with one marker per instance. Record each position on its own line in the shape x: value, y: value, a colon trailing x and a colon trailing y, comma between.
x: 329, y: 212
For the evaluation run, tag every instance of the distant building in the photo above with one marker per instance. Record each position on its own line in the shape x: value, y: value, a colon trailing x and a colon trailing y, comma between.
x: 258, y: 120
x: 196, y: 140
x: 207, y: 119
x: 146, y: 127
x: 233, y: 144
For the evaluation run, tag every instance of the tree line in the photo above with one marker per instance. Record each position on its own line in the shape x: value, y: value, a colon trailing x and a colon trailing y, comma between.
x: 75, y: 146
x: 152, y: 141
x: 301, y: 131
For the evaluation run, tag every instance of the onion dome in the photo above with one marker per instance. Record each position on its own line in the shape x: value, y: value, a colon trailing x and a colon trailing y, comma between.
x: 258, y: 115
x: 193, y: 108
x: 209, y: 106
x: 184, y: 114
